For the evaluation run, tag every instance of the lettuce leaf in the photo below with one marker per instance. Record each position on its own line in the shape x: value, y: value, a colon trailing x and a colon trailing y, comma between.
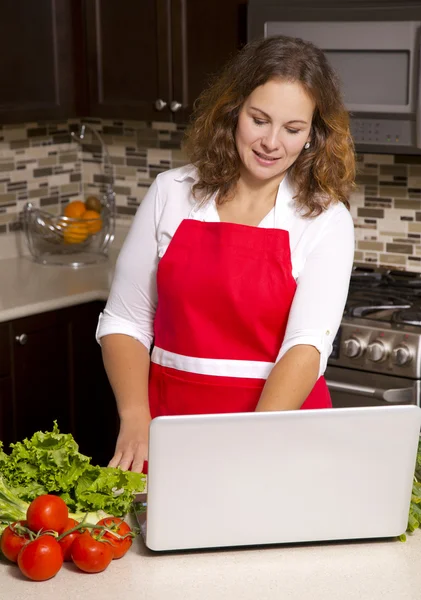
x: 106, y: 488
x: 418, y: 462
x: 50, y: 463
x: 50, y: 459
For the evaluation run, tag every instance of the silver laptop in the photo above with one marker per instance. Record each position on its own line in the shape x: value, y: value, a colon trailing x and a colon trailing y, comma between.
x: 279, y: 477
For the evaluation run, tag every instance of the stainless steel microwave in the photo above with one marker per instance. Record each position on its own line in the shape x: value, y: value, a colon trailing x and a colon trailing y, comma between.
x: 375, y: 50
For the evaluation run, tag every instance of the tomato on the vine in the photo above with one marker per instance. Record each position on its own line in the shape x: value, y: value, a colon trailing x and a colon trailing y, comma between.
x: 47, y: 512
x: 121, y: 528
x: 67, y: 541
x: 41, y: 559
x: 13, y: 540
x: 91, y: 555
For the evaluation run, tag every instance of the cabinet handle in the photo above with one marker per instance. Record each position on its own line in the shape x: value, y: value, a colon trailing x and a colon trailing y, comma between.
x: 22, y: 339
x: 160, y: 104
x: 175, y: 106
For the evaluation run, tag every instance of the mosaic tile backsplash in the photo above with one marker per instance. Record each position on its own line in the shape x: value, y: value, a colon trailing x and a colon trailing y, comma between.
x: 44, y: 164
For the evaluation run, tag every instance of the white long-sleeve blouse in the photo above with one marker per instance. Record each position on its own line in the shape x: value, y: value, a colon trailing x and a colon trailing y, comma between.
x: 322, y: 250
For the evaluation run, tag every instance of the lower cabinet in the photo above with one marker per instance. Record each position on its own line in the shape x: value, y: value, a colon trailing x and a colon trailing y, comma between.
x: 56, y: 373
x: 6, y: 411
x: 6, y: 387
x: 41, y: 374
x: 95, y: 417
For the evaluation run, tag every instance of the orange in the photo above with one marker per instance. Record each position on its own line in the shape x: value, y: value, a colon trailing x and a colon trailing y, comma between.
x: 75, y: 233
x: 75, y: 209
x: 93, y: 221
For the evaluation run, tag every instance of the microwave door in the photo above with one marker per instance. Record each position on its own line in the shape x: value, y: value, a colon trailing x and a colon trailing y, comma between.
x: 378, y: 63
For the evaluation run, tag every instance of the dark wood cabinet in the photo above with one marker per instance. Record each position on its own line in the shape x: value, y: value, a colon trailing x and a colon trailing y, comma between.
x: 51, y: 369
x: 40, y: 355
x: 95, y: 417
x: 37, y: 60
x: 6, y: 411
x: 6, y: 392
x: 150, y: 60
x: 128, y: 53
x: 136, y: 59
x: 4, y: 349
x: 204, y: 36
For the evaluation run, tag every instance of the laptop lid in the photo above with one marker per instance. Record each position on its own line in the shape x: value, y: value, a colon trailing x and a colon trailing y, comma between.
x: 280, y: 477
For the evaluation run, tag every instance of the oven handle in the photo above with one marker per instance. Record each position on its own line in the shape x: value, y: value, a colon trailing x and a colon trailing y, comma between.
x: 394, y: 396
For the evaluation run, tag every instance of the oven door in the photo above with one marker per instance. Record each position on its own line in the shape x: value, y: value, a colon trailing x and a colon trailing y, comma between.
x: 350, y: 387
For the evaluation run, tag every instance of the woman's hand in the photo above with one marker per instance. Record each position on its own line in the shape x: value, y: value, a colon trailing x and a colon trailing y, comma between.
x: 132, y: 445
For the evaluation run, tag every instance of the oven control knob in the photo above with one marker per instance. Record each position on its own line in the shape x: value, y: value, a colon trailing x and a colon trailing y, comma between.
x: 352, y: 348
x: 401, y: 355
x: 376, y: 351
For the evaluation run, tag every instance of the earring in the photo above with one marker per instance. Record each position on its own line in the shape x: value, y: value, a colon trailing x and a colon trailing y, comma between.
x: 307, y: 145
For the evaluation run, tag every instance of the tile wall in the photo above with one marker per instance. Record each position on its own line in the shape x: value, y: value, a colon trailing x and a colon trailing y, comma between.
x: 43, y: 164
x: 386, y: 208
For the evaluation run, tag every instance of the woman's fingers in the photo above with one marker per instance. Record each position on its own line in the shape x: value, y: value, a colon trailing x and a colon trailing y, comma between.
x: 130, y: 458
x: 138, y: 461
x: 126, y: 461
x: 115, y: 461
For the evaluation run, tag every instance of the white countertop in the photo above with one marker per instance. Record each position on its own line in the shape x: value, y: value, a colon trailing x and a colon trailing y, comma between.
x: 28, y: 288
x: 383, y: 570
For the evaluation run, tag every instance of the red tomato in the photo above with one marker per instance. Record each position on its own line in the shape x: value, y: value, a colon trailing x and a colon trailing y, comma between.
x: 47, y: 512
x: 91, y: 555
x: 120, y: 527
x: 67, y: 541
x: 41, y: 559
x: 13, y: 540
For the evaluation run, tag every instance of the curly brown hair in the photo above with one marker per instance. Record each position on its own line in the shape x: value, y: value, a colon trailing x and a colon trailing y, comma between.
x: 321, y: 175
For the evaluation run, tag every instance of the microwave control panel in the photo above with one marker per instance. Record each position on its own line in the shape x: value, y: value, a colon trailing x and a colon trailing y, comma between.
x: 381, y: 131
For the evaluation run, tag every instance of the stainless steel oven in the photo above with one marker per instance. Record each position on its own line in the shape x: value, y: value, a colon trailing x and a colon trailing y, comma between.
x: 376, y: 357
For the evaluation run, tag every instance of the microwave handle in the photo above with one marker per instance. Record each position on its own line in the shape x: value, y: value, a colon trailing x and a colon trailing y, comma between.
x: 393, y: 396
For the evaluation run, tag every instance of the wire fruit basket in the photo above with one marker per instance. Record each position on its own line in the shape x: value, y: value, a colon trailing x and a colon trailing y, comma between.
x: 61, y: 240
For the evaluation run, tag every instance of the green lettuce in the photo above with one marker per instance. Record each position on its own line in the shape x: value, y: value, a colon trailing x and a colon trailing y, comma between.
x: 414, y: 517
x: 418, y: 462
x: 13, y: 508
x: 50, y: 463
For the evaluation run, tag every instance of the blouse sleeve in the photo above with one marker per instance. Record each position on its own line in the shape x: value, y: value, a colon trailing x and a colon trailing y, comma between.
x: 131, y: 305
x: 322, y: 288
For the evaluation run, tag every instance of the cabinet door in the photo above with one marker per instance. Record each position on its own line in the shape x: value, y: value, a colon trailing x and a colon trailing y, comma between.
x: 128, y: 57
x: 7, y: 427
x: 5, y: 366
x: 204, y: 36
x: 7, y: 435
x: 95, y: 413
x: 36, y: 67
x: 40, y: 372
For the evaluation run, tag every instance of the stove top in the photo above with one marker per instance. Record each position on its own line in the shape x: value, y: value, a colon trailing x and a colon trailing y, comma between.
x: 385, y: 295
x: 381, y: 326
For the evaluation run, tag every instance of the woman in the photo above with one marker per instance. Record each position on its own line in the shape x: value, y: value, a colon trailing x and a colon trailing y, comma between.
x: 237, y: 266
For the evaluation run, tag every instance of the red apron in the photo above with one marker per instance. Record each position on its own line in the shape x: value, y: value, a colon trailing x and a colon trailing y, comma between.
x: 224, y: 295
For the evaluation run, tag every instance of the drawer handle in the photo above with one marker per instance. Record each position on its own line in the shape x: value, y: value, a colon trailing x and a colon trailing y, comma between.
x: 21, y: 339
